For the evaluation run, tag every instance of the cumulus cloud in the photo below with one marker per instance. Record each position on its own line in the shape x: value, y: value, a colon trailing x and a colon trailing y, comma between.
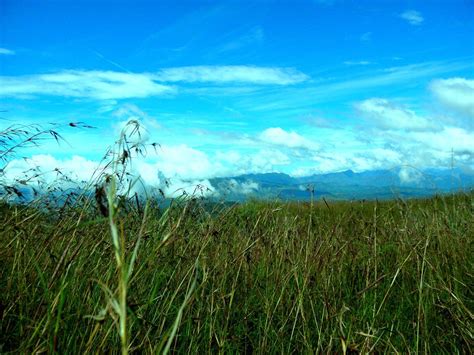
x: 430, y: 148
x: 171, y: 186
x: 46, y: 170
x: 232, y: 74
x: 76, y: 169
x: 280, y: 137
x: 5, y: 51
x: 412, y: 17
x: 102, y: 85
x: 233, y: 163
x: 456, y: 94
x: 246, y: 187
x: 264, y: 161
x: 184, y: 167
x: 409, y: 175
x: 388, y: 116
x: 323, y: 163
x: 450, y: 138
x: 182, y: 161
x: 367, y: 158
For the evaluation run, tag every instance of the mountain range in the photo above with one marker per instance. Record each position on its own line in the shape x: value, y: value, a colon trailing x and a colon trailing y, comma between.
x: 380, y: 184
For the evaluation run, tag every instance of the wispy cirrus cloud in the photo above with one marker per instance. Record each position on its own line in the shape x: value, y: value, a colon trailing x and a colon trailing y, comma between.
x: 110, y: 85
x: 357, y: 62
x: 412, y: 17
x: 101, y: 85
x: 232, y: 74
x: 297, y: 97
x: 252, y: 37
x: 5, y: 51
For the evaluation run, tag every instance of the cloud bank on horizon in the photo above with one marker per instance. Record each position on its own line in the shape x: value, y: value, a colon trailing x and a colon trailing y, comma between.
x: 233, y: 88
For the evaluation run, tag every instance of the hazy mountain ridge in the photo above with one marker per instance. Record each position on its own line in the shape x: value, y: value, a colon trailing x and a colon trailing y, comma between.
x: 344, y: 185
x: 382, y: 184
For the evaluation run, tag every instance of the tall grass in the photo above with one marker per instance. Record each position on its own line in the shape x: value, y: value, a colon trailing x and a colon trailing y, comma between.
x: 111, y: 273
x: 272, y: 277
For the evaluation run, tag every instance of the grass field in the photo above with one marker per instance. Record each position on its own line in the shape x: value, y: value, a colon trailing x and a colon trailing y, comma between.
x: 263, y: 277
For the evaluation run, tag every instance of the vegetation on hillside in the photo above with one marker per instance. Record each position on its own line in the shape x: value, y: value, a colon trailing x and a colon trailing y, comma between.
x: 257, y: 277
x: 104, y: 273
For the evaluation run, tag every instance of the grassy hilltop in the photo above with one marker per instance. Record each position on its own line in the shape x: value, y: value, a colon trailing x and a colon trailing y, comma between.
x: 264, y: 277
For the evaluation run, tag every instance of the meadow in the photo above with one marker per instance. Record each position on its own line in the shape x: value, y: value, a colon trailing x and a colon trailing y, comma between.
x: 263, y: 277
x: 106, y: 275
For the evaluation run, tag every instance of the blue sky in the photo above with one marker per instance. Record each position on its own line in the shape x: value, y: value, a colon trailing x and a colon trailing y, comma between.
x: 233, y: 87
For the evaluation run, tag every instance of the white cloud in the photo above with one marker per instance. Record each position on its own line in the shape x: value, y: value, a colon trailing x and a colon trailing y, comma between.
x: 102, y: 85
x: 173, y: 169
x: 413, y: 17
x: 232, y: 73
x: 132, y: 113
x: 263, y: 161
x: 107, y: 106
x: 457, y: 139
x: 245, y: 187
x: 386, y: 157
x: 431, y: 148
x: 234, y: 163
x: 177, y: 187
x: 368, y: 159
x: 134, y: 129
x: 6, y: 51
x: 111, y: 85
x: 80, y: 171
x: 455, y: 93
x: 357, y: 62
x: 409, y: 175
x: 172, y: 181
x: 297, y: 98
x: 327, y: 163
x: 280, y: 137
x: 385, y: 115
x: 185, y: 166
x: 175, y: 162
x: 363, y: 159
x: 75, y: 168
x: 131, y: 110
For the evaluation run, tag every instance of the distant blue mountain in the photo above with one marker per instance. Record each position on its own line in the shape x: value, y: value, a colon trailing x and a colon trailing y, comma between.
x: 268, y: 180
x: 344, y: 185
x: 381, y: 184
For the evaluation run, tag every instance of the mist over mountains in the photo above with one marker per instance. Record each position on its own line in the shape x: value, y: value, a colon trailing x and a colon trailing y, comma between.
x: 380, y: 184
x: 344, y: 185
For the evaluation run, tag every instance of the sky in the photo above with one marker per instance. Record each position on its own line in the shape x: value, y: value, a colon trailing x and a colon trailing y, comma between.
x: 235, y: 87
